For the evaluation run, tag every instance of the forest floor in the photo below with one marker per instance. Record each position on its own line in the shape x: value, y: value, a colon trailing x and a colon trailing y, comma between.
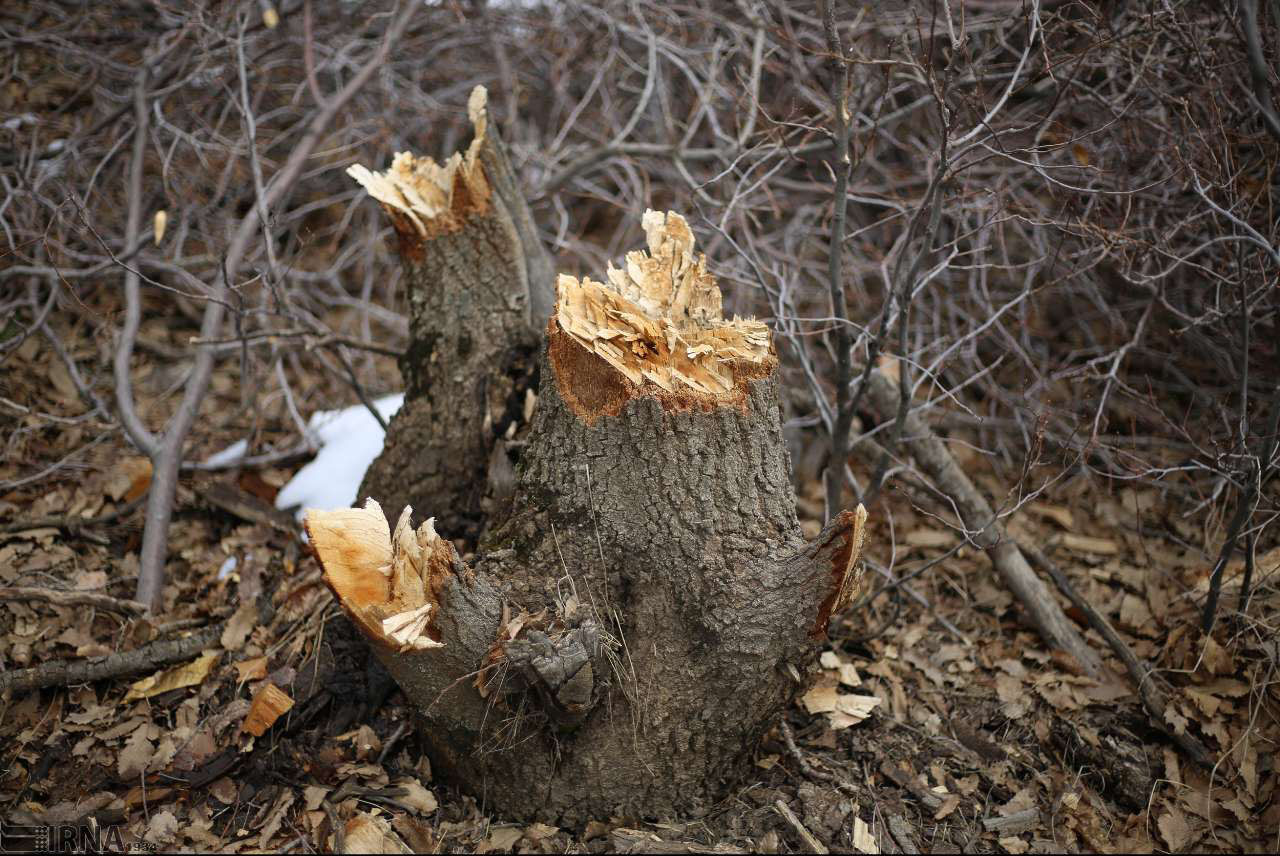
x: 969, y: 736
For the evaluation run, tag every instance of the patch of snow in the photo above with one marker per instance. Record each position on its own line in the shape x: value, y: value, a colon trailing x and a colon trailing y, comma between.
x: 18, y: 121
x: 227, y: 456
x: 349, y: 441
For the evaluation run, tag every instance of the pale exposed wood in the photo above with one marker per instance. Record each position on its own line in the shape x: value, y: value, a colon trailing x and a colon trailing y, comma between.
x: 384, y: 584
x: 658, y: 318
x: 434, y: 196
x: 479, y: 290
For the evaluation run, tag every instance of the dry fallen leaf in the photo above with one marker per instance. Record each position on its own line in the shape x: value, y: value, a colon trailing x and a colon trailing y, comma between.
x: 239, y: 626
x: 269, y: 704
x: 130, y: 478
x: 1135, y: 615
x: 820, y: 699
x: 91, y: 581
x: 417, y: 797
x: 1057, y: 513
x: 852, y: 709
x: 313, y: 796
x: 932, y: 538
x: 187, y: 675
x: 254, y: 669
x: 136, y: 754
x: 1174, y: 829
x: 950, y: 804
x: 595, y: 829
x: 863, y: 840
x: 1216, y: 658
x: 845, y: 673
x: 540, y: 831
x: 224, y: 790
x: 162, y: 829
x: 1013, y: 844
x: 276, y: 818
x: 1087, y: 544
x: 1010, y: 689
x: 500, y: 840
x: 1021, y: 801
x: 368, y: 833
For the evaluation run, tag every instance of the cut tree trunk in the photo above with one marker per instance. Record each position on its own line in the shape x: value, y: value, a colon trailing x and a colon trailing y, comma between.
x: 646, y: 606
x: 480, y: 289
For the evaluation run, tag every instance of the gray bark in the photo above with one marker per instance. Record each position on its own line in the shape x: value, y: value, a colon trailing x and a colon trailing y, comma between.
x: 479, y: 295
x: 680, y: 606
x: 643, y: 606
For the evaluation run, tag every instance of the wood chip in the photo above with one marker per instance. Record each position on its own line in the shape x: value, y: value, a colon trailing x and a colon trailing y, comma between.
x: 1087, y: 544
x: 269, y: 704
x: 863, y: 840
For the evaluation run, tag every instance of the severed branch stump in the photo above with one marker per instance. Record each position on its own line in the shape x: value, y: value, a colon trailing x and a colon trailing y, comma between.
x: 646, y: 606
x: 480, y: 290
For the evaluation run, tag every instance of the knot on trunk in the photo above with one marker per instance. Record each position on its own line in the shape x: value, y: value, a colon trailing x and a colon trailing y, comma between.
x: 559, y: 669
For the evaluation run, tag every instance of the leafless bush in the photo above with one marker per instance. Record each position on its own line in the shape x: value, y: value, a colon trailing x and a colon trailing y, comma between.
x: 1060, y: 226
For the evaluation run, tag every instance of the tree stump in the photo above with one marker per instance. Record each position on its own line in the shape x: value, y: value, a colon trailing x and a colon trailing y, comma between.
x: 646, y: 606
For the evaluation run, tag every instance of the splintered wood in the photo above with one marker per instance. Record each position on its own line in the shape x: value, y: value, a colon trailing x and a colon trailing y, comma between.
x: 850, y: 578
x: 269, y: 704
x: 658, y: 318
x: 386, y: 583
x: 434, y: 197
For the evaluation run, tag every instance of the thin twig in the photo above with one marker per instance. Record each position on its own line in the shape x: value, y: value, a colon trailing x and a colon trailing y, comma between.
x: 139, y: 433
x: 72, y: 598
x: 167, y: 458
x: 835, y: 264
x: 70, y: 672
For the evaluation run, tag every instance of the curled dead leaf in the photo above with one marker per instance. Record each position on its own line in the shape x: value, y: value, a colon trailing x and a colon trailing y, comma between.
x: 368, y: 833
x: 186, y: 675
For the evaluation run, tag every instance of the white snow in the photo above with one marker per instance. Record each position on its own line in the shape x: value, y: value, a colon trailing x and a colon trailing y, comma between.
x: 227, y: 567
x: 349, y: 441
x: 227, y: 456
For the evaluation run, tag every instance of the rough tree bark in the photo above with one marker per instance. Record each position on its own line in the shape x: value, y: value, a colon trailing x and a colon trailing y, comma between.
x: 646, y: 605
x: 480, y: 291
